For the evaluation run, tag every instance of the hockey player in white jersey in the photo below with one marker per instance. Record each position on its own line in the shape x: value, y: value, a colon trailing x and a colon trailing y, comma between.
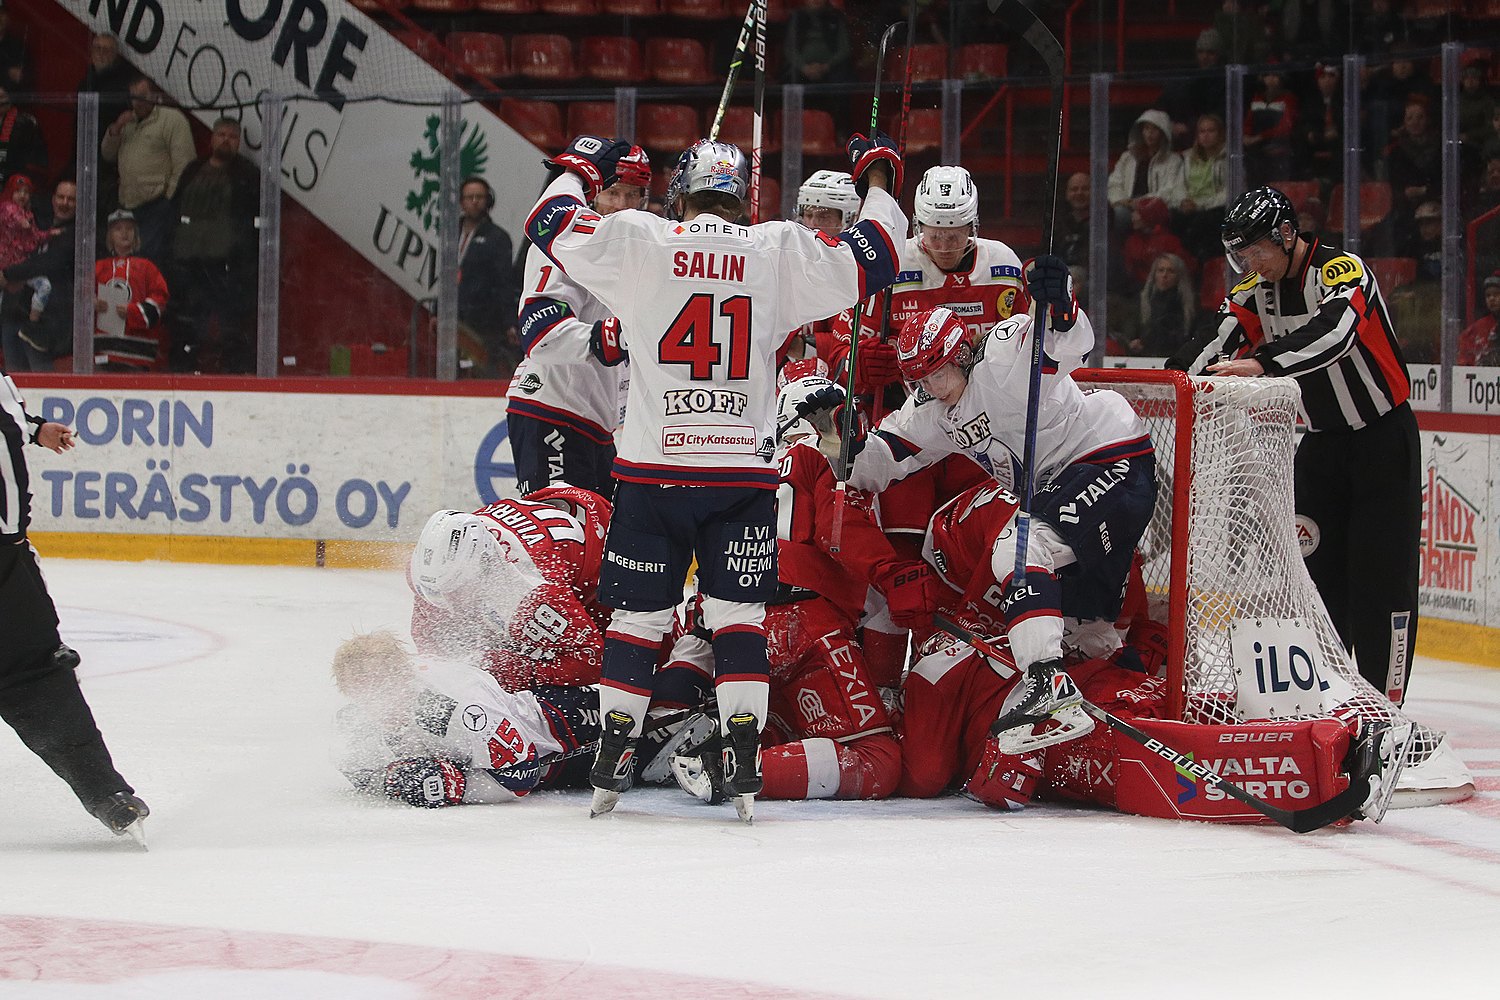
x: 564, y: 404
x: 827, y: 202
x: 1095, y: 472
x: 702, y: 305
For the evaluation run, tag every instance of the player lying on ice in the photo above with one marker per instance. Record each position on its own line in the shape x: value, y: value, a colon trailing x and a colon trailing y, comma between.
x: 1095, y: 471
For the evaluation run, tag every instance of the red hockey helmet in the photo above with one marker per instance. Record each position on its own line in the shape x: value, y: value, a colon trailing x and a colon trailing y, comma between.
x: 800, y: 368
x: 929, y: 340
x: 635, y: 168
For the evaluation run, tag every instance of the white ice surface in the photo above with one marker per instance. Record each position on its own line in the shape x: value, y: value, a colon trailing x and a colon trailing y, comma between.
x: 266, y: 877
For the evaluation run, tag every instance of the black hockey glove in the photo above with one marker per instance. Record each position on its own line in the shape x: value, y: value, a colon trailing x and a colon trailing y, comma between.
x: 591, y: 157
x: 866, y: 154
x: 605, y: 343
x: 827, y: 398
x: 1049, y: 283
x: 430, y: 782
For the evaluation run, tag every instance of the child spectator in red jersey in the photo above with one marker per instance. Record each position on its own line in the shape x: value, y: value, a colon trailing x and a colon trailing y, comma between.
x: 1479, y: 344
x: 128, y: 306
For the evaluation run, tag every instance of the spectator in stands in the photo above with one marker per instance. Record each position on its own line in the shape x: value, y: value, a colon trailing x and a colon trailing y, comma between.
x: 1488, y: 194
x: 1149, y: 239
x: 1414, y: 166
x: 1387, y: 92
x: 108, y: 76
x: 1476, y: 101
x: 15, y: 63
x: 1147, y: 168
x: 1479, y: 344
x: 816, y: 48
x: 1168, y: 314
x: 1380, y: 29
x: 22, y: 150
x: 32, y: 346
x: 1201, y: 92
x: 1425, y: 244
x: 20, y: 237
x: 489, y: 286
x: 129, y: 304
x: 1313, y: 28
x: 1205, y: 169
x: 1270, y: 125
x: 151, y: 145
x: 215, y: 254
x: 1074, y: 234
x: 1243, y: 30
x: 1322, y: 125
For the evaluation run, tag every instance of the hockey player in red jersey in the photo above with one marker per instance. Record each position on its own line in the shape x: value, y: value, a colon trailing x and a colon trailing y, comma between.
x: 514, y: 584
x: 829, y: 735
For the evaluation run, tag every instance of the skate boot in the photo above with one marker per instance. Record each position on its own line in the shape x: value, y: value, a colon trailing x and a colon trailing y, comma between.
x: 123, y: 813
x: 696, y: 760
x: 1050, y: 710
x: 1378, y: 755
x: 611, y: 772
x: 742, y: 763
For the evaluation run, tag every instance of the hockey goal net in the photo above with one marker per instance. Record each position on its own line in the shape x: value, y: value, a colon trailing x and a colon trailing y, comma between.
x: 1222, y: 546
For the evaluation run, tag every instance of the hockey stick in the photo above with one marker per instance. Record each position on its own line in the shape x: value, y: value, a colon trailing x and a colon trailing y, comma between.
x: 543, y: 763
x: 758, y: 10
x: 846, y: 431
x: 740, y: 49
x: 1343, y: 805
x: 1021, y: 20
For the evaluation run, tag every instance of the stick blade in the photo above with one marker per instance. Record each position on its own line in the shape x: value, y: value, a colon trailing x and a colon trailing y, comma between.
x: 1022, y: 20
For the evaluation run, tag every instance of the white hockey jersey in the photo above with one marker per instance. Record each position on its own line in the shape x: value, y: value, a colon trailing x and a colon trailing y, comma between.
x: 559, y: 381
x: 460, y: 714
x: 989, y: 421
x: 703, y: 306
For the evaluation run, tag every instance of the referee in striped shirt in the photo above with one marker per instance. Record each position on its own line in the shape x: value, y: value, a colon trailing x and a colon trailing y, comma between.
x: 1313, y: 312
x: 39, y: 695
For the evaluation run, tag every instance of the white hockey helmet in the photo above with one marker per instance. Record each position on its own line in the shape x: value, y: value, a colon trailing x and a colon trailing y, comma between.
x: 451, y: 556
x: 710, y: 166
x: 946, y: 197
x: 830, y: 189
x: 790, y: 425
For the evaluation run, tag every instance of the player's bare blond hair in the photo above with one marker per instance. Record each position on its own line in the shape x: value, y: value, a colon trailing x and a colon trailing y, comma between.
x: 370, y: 662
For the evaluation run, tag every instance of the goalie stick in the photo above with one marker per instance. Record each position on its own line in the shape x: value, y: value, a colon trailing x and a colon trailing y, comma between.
x: 846, y: 430
x: 1369, y: 788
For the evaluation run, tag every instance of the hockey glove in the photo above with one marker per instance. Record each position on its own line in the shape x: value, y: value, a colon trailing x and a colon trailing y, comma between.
x: 875, y: 366
x: 592, y: 158
x: 866, y: 153
x: 429, y: 782
x: 1049, y: 283
x: 911, y: 592
x: 830, y: 397
x: 605, y: 344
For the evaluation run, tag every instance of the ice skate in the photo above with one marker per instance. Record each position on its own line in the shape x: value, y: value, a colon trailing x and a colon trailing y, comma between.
x: 1050, y: 711
x: 690, y: 739
x: 123, y: 813
x: 1378, y: 756
x: 696, y: 760
x: 611, y: 772
x: 742, y: 763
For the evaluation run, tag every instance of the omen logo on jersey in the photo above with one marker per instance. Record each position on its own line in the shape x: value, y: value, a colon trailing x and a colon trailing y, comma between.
x: 680, y: 401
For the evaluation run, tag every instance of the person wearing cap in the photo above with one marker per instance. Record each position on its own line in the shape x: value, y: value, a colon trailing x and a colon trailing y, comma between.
x: 151, y: 145
x: 1479, y: 344
x: 1314, y: 312
x: 128, y: 307
x: 1200, y: 92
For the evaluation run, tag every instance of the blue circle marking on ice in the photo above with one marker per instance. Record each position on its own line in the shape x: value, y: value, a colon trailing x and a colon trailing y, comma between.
x: 494, y: 460
x: 113, y: 642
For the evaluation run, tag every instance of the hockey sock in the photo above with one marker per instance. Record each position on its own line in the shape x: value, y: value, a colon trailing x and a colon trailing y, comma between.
x: 1033, y: 617
x: 629, y: 662
x: 741, y: 672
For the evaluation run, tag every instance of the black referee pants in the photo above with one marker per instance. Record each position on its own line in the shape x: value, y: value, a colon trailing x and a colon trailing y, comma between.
x: 39, y: 694
x: 1359, y: 512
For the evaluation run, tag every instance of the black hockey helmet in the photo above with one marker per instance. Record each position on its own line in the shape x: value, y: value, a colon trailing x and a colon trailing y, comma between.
x: 1254, y: 216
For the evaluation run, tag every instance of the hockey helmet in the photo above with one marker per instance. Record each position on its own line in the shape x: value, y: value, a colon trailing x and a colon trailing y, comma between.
x: 790, y: 424
x: 929, y: 340
x: 710, y: 166
x: 946, y: 197
x: 1254, y: 216
x: 830, y: 189
x: 635, y: 168
x: 451, y: 556
x: 800, y: 368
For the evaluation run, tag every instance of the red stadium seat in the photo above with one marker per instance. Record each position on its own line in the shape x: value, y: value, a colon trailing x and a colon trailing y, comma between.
x: 424, y: 44
x: 928, y: 62
x: 1211, y: 292
x: 819, y: 137
x: 506, y: 6
x: 1374, y: 205
x: 705, y: 10
x: 443, y: 6
x: 669, y: 127
x: 924, y: 130
x: 1392, y: 273
x: 543, y: 57
x: 739, y: 126
x: 612, y: 58
x: 591, y: 118
x: 983, y: 61
x: 678, y: 60
x: 636, y: 8
x: 539, y: 122
x: 577, y: 8
x: 1298, y: 192
x: 480, y: 52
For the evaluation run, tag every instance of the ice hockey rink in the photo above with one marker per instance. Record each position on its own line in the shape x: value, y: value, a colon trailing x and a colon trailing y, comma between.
x: 267, y: 877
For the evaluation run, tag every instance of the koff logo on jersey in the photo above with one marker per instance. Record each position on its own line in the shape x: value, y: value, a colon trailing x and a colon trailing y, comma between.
x: 680, y: 401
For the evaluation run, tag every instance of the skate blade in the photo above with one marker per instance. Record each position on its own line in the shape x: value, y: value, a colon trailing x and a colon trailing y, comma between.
x: 137, y: 832
x: 603, y: 803
x: 745, y: 806
x: 1063, y: 727
x: 1395, y: 751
